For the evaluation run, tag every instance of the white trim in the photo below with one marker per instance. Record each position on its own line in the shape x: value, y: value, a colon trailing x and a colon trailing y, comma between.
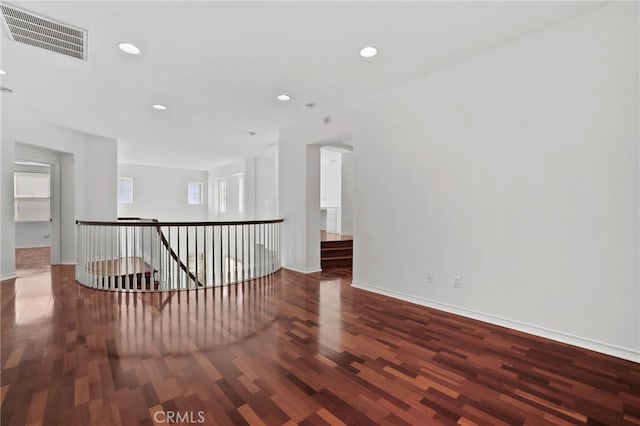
x: 200, y: 192
x: 66, y: 263
x: 302, y: 271
x: 129, y: 179
x: 8, y: 277
x: 30, y: 247
x: 571, y: 339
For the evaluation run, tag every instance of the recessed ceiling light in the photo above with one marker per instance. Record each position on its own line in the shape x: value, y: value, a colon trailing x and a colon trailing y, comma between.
x: 129, y: 48
x: 368, y: 52
x: 284, y: 97
x: 252, y: 133
x: 310, y: 105
x: 2, y: 72
x: 160, y: 107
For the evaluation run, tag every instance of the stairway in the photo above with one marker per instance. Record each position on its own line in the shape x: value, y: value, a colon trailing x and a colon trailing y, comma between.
x: 116, y: 271
x: 336, y: 253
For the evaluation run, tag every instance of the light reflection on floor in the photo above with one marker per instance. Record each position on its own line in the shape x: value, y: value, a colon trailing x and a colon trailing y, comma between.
x: 34, y: 296
x: 330, y: 320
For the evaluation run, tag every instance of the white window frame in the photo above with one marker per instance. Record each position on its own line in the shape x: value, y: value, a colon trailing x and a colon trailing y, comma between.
x: 200, y: 193
x: 120, y: 192
x: 18, y: 197
x: 222, y: 195
x: 240, y: 193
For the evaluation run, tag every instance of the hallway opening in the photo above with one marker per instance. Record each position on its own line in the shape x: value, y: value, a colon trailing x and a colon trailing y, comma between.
x: 33, y: 189
x: 336, y: 206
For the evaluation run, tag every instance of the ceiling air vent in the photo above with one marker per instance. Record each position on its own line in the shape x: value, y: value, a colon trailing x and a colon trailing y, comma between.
x: 27, y: 27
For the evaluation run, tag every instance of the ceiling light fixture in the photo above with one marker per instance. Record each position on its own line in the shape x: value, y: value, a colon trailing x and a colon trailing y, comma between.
x: 310, y: 105
x: 129, y: 48
x: 284, y: 97
x: 252, y: 133
x: 2, y: 72
x: 368, y: 52
x: 160, y: 107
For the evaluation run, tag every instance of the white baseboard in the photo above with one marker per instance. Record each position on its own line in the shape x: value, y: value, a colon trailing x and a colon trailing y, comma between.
x: 583, y: 342
x: 8, y: 277
x: 302, y: 271
x: 35, y: 246
x: 66, y: 262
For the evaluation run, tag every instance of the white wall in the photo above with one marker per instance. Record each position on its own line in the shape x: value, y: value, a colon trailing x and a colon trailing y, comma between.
x: 33, y: 234
x: 347, y: 194
x: 85, y: 194
x: 260, y: 189
x: 312, y: 204
x: 7, y: 248
x: 72, y: 203
x: 161, y: 193
x: 221, y: 172
x: 265, y: 188
x: 517, y: 170
x: 100, y: 182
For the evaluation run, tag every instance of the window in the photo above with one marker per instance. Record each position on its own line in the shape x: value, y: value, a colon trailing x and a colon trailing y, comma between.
x: 231, y: 195
x: 195, y: 193
x: 125, y: 190
x: 32, y: 196
x: 240, y: 194
x: 222, y: 195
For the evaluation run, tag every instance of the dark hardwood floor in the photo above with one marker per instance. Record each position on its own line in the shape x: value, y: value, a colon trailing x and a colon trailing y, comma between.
x: 287, y: 349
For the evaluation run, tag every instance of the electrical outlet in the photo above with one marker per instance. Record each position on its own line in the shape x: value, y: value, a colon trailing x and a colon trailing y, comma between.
x: 457, y: 282
x: 429, y: 277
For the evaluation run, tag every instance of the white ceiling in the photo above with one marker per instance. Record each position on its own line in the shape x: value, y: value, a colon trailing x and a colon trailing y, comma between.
x: 219, y: 66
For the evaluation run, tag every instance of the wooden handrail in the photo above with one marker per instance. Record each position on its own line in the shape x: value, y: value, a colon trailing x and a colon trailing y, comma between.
x: 169, y: 224
x: 165, y: 243
x: 265, y: 260
x: 175, y: 256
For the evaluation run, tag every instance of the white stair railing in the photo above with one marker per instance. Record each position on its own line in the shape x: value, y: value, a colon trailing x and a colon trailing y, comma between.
x: 136, y: 254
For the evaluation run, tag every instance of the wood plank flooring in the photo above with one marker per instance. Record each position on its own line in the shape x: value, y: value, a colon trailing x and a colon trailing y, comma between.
x: 286, y: 349
x: 332, y: 236
x: 121, y: 266
x: 33, y: 260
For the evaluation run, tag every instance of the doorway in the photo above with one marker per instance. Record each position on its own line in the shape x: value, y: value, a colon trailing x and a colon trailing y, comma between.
x: 336, y: 206
x: 39, y: 223
x: 33, y: 212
